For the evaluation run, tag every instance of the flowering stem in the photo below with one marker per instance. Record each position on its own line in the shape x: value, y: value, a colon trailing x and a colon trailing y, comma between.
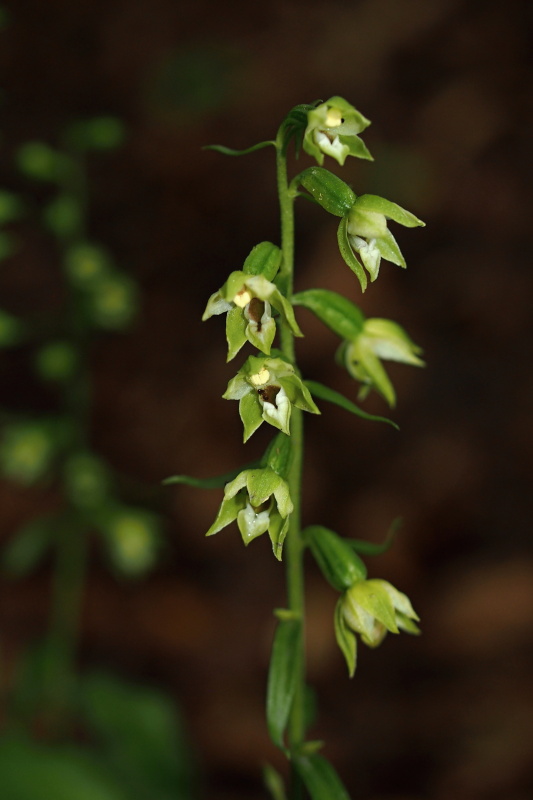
x: 294, y: 546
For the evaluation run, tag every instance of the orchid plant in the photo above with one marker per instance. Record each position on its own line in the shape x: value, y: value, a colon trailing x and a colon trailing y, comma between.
x: 259, y: 304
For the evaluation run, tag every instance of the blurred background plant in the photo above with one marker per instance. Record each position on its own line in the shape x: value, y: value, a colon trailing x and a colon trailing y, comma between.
x: 85, y: 734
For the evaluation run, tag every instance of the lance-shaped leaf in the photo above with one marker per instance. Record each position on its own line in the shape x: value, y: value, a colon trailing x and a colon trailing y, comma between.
x: 328, y: 190
x: 373, y: 549
x: 320, y: 778
x: 325, y: 393
x: 282, y: 678
x: 337, y: 312
x: 229, y: 151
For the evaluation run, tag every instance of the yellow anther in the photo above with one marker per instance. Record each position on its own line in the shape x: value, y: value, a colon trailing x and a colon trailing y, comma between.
x: 242, y: 298
x: 263, y: 376
x: 333, y: 118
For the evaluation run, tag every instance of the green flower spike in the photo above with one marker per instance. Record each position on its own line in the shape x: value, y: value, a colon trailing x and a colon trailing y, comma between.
x: 267, y: 389
x: 247, y: 300
x: 365, y: 227
x: 259, y: 500
x: 332, y: 129
x: 379, y: 338
x: 370, y: 609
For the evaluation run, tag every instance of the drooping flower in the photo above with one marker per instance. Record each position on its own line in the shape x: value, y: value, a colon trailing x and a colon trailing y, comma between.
x: 378, y: 338
x: 267, y: 389
x: 248, y: 300
x: 368, y: 237
x: 259, y: 501
x: 332, y: 129
x: 370, y: 608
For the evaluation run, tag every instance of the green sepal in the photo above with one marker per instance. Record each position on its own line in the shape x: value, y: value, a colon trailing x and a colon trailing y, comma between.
x: 264, y: 259
x: 348, y: 254
x: 320, y: 778
x: 389, y: 249
x: 328, y: 190
x: 337, y: 560
x: 227, y: 513
x: 346, y: 638
x: 236, y: 325
x: 228, y: 151
x: 366, y: 367
x: 325, y: 393
x: 251, y: 414
x: 282, y: 678
x: 274, y: 783
x: 337, y: 312
x: 217, y: 482
x: 373, y: 204
x: 371, y: 549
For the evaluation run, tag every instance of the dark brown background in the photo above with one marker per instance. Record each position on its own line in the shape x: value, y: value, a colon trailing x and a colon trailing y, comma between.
x: 447, y: 85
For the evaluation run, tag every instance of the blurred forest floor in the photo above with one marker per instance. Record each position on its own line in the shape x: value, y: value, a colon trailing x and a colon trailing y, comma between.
x: 447, y: 85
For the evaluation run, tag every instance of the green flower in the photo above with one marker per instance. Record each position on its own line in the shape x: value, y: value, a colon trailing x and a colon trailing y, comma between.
x: 370, y: 609
x: 368, y: 235
x: 247, y: 300
x: 332, y: 129
x: 378, y: 338
x: 259, y: 500
x: 267, y: 389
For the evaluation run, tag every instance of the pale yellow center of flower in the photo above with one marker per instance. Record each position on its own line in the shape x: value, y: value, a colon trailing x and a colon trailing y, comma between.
x: 242, y: 298
x: 333, y: 118
x: 263, y: 376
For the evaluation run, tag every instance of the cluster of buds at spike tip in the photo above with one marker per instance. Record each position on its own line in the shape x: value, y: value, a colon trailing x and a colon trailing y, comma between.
x: 259, y: 501
x: 267, y: 389
x: 378, y: 338
x: 332, y: 130
x: 371, y: 608
x: 248, y: 301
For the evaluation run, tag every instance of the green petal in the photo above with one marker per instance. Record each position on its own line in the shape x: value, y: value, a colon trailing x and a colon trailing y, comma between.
x: 215, y: 305
x: 356, y: 147
x: 374, y: 598
x: 388, y: 247
x: 261, y: 484
x: 390, y: 341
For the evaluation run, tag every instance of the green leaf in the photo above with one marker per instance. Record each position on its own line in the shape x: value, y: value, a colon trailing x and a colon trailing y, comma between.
x: 328, y: 190
x: 320, y: 778
x: 264, y: 259
x: 335, y: 557
x: 282, y: 678
x: 228, y: 151
x: 142, y: 737
x: 33, y: 771
x: 28, y: 546
x: 346, y: 638
x: 347, y: 253
x: 325, y: 393
x: 371, y: 549
x: 337, y: 312
x: 216, y: 482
